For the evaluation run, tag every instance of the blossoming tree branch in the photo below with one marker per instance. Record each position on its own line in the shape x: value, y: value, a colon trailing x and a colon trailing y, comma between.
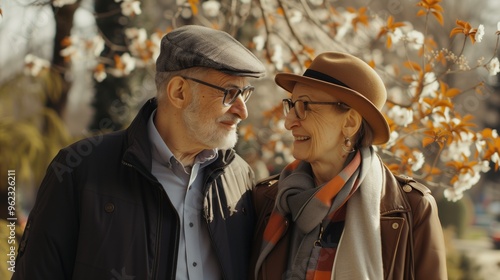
x: 431, y: 139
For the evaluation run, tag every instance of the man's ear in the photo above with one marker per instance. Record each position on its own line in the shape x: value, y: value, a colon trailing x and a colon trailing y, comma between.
x: 352, y: 123
x: 177, y: 92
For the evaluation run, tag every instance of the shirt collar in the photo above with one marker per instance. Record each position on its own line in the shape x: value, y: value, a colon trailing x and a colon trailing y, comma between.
x: 162, y: 153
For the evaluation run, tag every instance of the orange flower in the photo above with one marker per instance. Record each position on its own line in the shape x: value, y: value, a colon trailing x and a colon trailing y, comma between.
x: 194, y: 6
x: 360, y: 18
x: 465, y: 28
x: 446, y: 91
x: 462, y: 167
x: 389, y: 28
x: 435, y: 135
x: 431, y: 6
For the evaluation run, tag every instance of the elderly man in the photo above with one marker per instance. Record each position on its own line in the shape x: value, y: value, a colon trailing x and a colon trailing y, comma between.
x: 167, y: 198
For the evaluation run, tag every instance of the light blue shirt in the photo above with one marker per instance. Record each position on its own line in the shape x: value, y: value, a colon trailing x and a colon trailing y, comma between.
x: 183, y: 185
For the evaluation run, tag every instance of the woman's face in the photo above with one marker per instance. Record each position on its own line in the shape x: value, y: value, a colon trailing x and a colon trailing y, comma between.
x: 318, y: 138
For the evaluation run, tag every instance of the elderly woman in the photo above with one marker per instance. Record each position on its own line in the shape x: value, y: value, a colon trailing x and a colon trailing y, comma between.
x: 337, y: 212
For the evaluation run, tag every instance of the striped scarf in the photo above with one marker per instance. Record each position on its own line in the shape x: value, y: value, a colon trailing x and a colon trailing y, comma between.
x: 311, y: 210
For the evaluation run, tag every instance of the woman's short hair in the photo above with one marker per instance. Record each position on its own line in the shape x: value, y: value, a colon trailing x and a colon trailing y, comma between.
x: 364, y: 136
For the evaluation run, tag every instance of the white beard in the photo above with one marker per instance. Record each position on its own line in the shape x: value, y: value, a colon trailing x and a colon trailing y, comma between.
x: 207, y: 131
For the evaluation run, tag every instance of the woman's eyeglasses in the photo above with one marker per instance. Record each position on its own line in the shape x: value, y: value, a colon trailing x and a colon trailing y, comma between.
x: 301, y: 106
x: 230, y: 94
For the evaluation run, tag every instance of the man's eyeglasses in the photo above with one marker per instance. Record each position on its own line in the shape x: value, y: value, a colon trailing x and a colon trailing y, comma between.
x: 301, y: 106
x: 230, y: 94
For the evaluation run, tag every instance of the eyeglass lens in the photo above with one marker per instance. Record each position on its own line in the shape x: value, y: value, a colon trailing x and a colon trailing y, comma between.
x: 231, y: 94
x: 300, y: 108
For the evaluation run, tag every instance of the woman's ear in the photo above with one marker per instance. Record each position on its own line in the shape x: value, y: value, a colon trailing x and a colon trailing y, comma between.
x: 177, y: 92
x: 352, y: 123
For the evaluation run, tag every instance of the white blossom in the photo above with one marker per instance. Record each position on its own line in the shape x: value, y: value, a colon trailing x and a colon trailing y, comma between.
x: 277, y: 57
x: 138, y: 37
x: 482, y: 167
x: 439, y: 119
x: 479, y: 33
x: 498, y: 26
x: 96, y: 45
x: 79, y: 49
x: 138, y: 34
x: 60, y: 3
x: 127, y: 65
x: 345, y: 26
x: 73, y: 49
x: 418, y: 162
x: 401, y: 116
x: 130, y: 7
x: 100, y: 74
x: 493, y: 67
x: 211, y: 8
x: 392, y: 139
x: 295, y: 17
x: 495, y: 158
x: 316, y: 2
x: 457, y: 149
x: 466, y: 181
x: 396, y: 36
x: 399, y: 153
x: 453, y: 195
x: 480, y: 143
x: 259, y: 42
x: 33, y: 64
x: 415, y: 39
x: 156, y: 42
x: 431, y: 85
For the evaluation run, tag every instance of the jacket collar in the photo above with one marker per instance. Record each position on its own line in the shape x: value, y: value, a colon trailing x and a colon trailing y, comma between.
x: 138, y: 146
x: 393, y: 197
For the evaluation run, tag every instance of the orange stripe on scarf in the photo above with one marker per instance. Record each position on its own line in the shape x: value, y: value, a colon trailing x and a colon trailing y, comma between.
x: 329, y: 191
x: 275, y: 228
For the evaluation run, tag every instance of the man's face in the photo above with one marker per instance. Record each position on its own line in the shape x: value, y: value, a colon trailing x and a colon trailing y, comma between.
x: 207, y: 120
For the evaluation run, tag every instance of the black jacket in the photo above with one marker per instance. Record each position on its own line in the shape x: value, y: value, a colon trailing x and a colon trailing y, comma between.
x: 101, y: 214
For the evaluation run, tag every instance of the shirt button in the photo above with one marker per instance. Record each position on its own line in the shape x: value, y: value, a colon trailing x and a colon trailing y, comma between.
x: 191, y: 224
x: 395, y: 225
x: 195, y: 264
x: 109, y: 207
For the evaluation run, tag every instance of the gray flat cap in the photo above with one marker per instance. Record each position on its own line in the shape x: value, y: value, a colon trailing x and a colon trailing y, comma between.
x: 198, y: 46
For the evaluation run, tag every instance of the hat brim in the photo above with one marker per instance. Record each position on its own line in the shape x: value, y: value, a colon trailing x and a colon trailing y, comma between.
x: 358, y: 102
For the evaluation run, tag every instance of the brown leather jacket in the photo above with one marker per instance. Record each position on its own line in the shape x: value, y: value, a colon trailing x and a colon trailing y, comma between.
x: 412, y: 237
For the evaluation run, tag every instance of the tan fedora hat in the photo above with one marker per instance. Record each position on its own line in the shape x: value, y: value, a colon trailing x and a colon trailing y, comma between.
x: 355, y: 83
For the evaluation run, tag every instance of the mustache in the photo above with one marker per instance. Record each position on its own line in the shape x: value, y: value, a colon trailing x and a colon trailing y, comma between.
x: 229, y: 118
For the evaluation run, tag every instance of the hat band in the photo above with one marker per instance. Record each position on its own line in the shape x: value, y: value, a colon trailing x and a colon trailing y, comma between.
x: 320, y: 76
